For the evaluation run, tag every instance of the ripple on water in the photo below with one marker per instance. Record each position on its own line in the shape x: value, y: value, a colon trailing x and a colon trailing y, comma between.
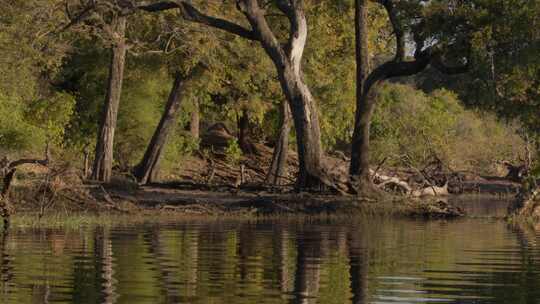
x: 352, y: 261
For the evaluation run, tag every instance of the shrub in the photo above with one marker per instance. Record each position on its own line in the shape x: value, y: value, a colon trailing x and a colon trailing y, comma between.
x: 233, y: 153
x: 27, y: 126
x: 411, y: 127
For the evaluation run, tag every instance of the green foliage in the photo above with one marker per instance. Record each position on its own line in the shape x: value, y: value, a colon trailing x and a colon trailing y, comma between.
x: 330, y: 63
x: 52, y: 115
x: 27, y: 127
x: 179, y: 145
x: 535, y: 171
x: 233, y: 153
x: 504, y: 61
x: 52, y: 85
x: 16, y: 134
x: 412, y: 127
x: 140, y: 110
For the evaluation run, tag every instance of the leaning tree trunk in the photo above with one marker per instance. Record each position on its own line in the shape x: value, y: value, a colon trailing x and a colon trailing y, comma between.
x: 147, y: 169
x: 277, y: 168
x: 102, y: 169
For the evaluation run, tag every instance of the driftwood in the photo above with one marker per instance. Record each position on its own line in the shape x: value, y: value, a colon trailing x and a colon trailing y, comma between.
x: 431, y: 191
x: 395, y: 184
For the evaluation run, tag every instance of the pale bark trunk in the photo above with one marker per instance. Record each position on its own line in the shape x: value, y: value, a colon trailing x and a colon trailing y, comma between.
x: 147, y: 169
x: 306, y: 122
x: 277, y: 168
x: 103, y: 161
x: 194, y: 126
x: 288, y: 63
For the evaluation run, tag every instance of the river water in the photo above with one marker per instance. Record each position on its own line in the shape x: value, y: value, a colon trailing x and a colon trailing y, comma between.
x: 364, y: 260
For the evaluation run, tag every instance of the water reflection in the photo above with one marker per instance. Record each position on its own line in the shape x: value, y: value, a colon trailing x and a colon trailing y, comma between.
x: 363, y: 261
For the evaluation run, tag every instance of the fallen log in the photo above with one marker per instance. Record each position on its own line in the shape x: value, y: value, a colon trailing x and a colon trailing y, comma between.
x: 7, y: 172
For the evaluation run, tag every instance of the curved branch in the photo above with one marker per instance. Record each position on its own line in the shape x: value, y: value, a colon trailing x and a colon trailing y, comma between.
x: 397, y: 27
x: 191, y: 13
x: 393, y: 69
x: 6, y: 165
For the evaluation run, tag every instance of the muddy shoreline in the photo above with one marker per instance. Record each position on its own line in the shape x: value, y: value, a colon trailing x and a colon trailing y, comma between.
x: 191, y: 199
x: 201, y: 200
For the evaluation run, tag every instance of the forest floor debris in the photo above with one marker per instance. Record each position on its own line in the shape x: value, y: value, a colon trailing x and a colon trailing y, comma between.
x: 209, y: 184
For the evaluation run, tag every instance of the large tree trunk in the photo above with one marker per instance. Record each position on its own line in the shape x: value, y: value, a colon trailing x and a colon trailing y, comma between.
x: 103, y: 160
x: 147, y: 169
x: 277, y: 168
x: 308, y: 136
x: 359, y: 169
x: 288, y: 62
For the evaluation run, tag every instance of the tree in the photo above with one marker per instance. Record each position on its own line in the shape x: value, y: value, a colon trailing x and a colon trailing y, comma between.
x: 185, y: 48
x: 288, y: 62
x: 504, y: 76
x: 32, y: 112
x: 107, y: 20
x: 146, y: 170
x: 427, y: 50
x: 103, y: 158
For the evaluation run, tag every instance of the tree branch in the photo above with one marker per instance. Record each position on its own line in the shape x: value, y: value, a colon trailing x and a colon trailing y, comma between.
x: 397, y: 27
x: 191, y: 13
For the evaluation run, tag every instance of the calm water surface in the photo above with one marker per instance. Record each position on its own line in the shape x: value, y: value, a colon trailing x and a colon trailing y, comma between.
x: 353, y: 261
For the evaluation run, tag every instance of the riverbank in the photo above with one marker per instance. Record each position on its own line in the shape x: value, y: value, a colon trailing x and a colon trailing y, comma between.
x: 36, y: 195
x: 96, y: 204
x: 73, y: 220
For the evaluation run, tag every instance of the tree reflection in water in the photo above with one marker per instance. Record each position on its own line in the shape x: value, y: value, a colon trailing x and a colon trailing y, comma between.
x: 274, y: 262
